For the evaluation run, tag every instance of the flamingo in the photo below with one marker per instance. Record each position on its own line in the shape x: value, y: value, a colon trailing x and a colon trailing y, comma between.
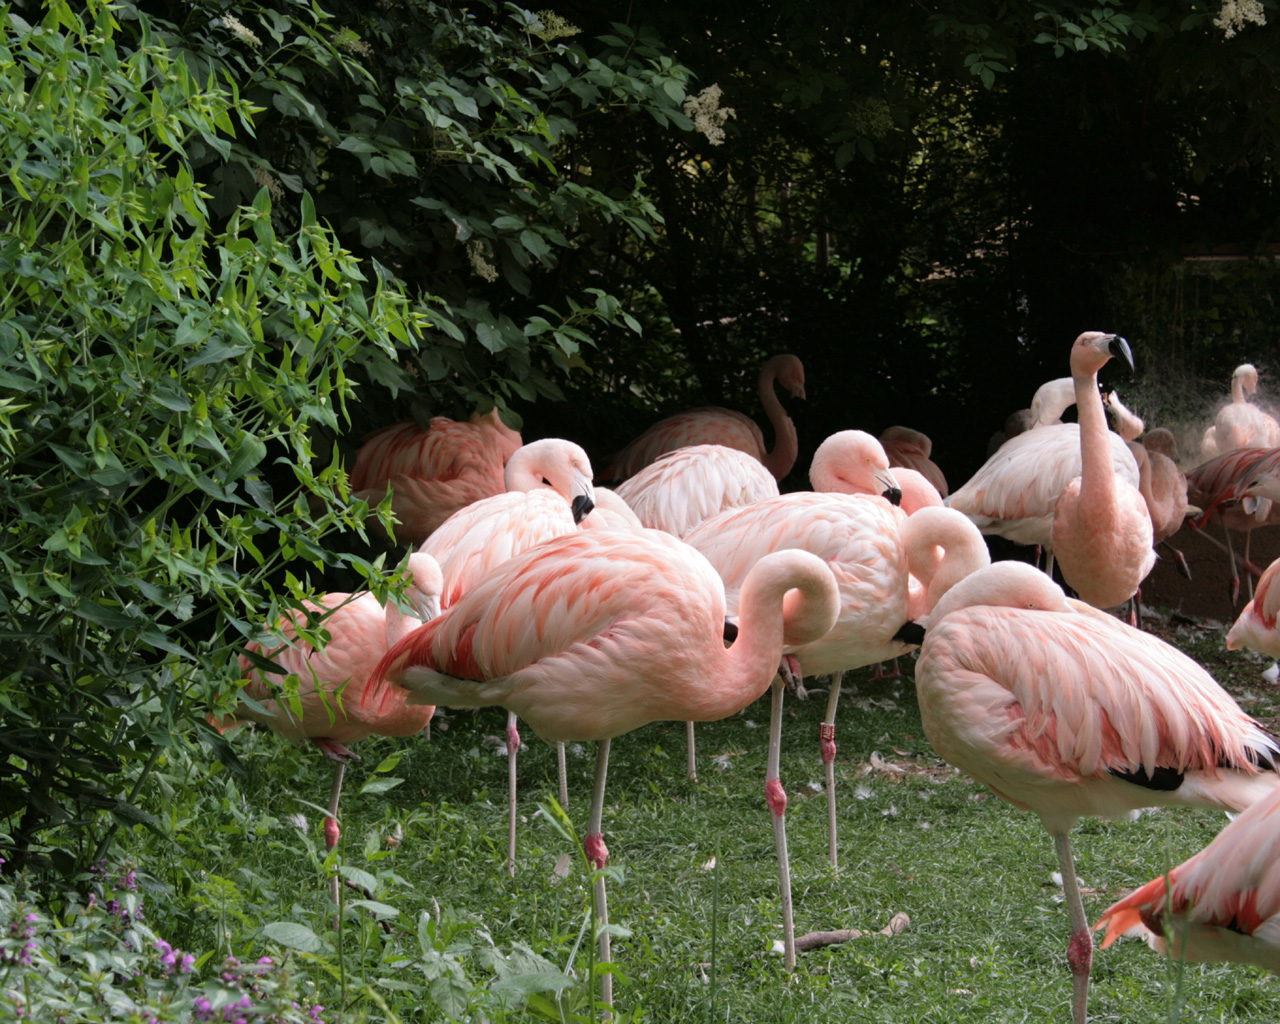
x: 1239, y: 423
x: 1240, y: 488
x: 1101, y: 530
x: 1051, y: 400
x: 680, y: 489
x: 326, y: 708
x: 591, y: 635
x: 853, y: 462
x: 1168, y: 502
x: 1255, y: 627
x: 549, y: 493
x: 1066, y: 711
x: 1014, y: 493
x: 714, y: 425
x: 910, y: 449
x: 1221, y: 904
x: 434, y: 472
x: 870, y: 546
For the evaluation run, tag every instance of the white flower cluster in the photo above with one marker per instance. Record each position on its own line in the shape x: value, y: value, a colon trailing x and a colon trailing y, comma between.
x: 348, y: 42
x: 479, y: 263
x: 238, y: 29
x: 1236, y: 13
x: 554, y: 27
x: 707, y: 114
x: 270, y: 182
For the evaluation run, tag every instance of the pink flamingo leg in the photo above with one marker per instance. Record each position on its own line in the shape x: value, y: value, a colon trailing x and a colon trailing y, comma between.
x: 827, y: 747
x: 1080, y: 948
x: 598, y: 855
x: 513, y: 748
x: 776, y: 797
x: 692, y: 755
x: 332, y: 832
x: 564, y: 776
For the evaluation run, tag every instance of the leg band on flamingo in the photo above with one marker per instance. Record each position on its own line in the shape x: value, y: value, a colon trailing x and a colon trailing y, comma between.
x: 776, y: 797
x: 827, y: 741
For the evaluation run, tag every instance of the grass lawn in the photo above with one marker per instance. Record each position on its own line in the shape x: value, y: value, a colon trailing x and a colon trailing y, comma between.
x: 987, y: 935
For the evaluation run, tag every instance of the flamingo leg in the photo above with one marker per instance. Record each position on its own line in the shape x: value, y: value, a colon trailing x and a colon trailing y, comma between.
x: 1249, y: 568
x: 513, y: 748
x: 1179, y: 558
x: 1080, y: 948
x: 331, y: 830
x: 1048, y: 562
x: 598, y: 856
x: 1235, y: 576
x: 827, y: 747
x: 693, y: 758
x: 776, y: 797
x: 563, y: 769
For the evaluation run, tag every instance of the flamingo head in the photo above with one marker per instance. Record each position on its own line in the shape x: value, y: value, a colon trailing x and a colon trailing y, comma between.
x: 1093, y: 349
x: 853, y: 462
x: 789, y: 372
x: 558, y: 465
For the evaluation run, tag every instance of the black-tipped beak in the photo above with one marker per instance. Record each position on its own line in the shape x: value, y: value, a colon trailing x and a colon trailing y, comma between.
x: 581, y: 505
x: 730, y: 632
x: 1117, y: 346
x: 894, y: 494
x: 910, y: 633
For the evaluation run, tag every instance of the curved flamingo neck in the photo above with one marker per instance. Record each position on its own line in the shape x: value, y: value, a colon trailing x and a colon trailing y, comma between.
x: 786, y: 445
x: 784, y: 599
x: 1144, y: 473
x: 943, y: 547
x: 1237, y: 389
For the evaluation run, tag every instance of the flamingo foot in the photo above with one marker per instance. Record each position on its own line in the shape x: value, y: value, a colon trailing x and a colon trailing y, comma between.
x: 792, y: 675
x: 335, y: 751
x: 827, y: 742
x: 597, y: 852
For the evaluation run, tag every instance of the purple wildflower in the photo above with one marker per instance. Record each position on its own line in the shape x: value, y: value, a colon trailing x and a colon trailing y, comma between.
x: 203, y: 1008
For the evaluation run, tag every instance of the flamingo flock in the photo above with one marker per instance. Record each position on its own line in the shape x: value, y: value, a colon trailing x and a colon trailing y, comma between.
x: 696, y: 587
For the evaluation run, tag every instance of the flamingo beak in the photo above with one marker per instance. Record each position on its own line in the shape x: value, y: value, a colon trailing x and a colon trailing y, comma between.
x: 1117, y: 346
x: 910, y: 633
x: 581, y: 505
x: 888, y: 485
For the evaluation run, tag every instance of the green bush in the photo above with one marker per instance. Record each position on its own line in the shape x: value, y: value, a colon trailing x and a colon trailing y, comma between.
x: 161, y: 386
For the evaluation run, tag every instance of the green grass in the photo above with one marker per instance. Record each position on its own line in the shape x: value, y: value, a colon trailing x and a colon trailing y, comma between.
x: 987, y: 937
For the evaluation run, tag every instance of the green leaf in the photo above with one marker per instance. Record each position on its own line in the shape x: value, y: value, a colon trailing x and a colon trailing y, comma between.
x: 292, y: 935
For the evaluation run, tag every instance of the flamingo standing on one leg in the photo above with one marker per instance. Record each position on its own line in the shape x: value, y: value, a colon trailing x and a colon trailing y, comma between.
x: 714, y: 425
x: 1241, y: 488
x: 870, y: 546
x: 588, y: 636
x: 1068, y: 712
x: 1101, y: 532
x: 434, y: 472
x: 549, y: 493
x: 680, y: 489
x: 1221, y: 904
x: 327, y: 707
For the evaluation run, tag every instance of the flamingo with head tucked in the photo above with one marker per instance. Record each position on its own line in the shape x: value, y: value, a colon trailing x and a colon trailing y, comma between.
x: 1240, y: 423
x: 910, y: 449
x: 433, y: 472
x: 591, y: 635
x: 327, y: 708
x: 1066, y: 711
x: 714, y: 425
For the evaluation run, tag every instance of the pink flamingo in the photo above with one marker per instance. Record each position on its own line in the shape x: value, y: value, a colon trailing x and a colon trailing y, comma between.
x: 853, y: 462
x: 680, y: 489
x: 1051, y: 400
x: 1221, y: 904
x: 1241, y: 489
x: 1255, y: 627
x: 1239, y: 423
x: 870, y: 546
x: 591, y: 635
x: 1168, y: 502
x: 910, y: 449
x: 434, y: 472
x: 714, y: 425
x: 549, y: 493
x: 1066, y: 711
x: 1101, y: 530
x: 1014, y: 493
x: 326, y: 708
